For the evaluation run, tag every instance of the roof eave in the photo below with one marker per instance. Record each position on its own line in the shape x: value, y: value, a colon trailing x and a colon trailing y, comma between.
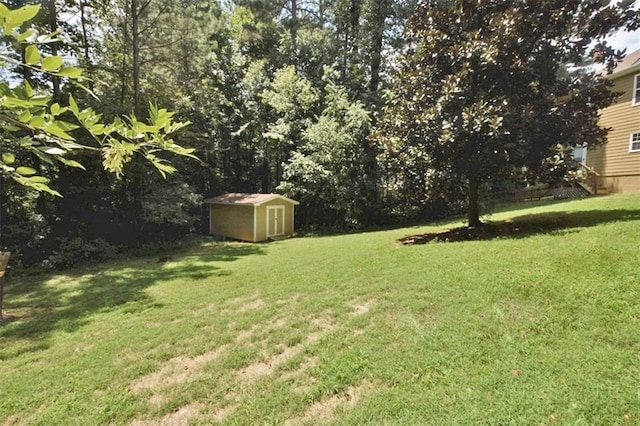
x: 281, y: 197
x: 631, y: 70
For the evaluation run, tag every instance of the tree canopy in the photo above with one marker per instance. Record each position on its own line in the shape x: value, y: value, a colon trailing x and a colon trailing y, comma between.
x: 32, y: 122
x: 485, y: 89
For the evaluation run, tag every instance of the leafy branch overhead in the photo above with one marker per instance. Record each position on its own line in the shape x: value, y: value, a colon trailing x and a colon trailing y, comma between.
x: 32, y: 123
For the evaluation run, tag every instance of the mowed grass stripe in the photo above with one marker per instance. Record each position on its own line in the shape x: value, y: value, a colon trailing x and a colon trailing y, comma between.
x: 352, y: 329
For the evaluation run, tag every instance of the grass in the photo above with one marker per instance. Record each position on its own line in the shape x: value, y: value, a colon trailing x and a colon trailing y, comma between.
x: 541, y: 327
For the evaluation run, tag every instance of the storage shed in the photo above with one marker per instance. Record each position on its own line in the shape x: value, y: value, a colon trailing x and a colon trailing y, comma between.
x: 251, y: 217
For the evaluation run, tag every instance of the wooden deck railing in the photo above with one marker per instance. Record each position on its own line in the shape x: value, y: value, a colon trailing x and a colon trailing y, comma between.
x: 588, y: 178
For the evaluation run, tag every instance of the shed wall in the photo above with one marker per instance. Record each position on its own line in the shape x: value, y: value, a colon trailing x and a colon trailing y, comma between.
x: 619, y: 168
x: 232, y: 221
x: 261, y: 218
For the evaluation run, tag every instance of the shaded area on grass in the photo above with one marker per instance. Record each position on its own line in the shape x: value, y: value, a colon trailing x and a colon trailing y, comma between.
x: 524, y: 226
x: 37, y: 306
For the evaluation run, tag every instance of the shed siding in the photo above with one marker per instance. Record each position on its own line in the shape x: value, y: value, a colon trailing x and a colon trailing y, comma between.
x: 619, y: 168
x: 232, y: 221
x: 261, y: 218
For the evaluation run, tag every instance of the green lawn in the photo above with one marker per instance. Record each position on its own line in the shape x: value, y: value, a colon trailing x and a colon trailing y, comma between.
x: 536, y: 328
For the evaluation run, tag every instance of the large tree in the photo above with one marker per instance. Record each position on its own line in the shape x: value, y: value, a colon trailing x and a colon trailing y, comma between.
x: 484, y: 86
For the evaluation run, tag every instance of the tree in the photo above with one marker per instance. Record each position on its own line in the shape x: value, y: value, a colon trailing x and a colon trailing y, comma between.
x: 483, y: 88
x: 330, y: 173
x: 37, y: 134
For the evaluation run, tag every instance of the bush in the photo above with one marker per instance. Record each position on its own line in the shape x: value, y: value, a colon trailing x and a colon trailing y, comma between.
x: 74, y: 251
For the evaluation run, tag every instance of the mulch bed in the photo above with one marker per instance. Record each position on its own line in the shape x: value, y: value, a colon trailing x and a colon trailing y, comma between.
x: 487, y: 231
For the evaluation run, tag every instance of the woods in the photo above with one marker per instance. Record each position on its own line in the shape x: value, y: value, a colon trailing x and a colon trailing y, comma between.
x: 366, y: 111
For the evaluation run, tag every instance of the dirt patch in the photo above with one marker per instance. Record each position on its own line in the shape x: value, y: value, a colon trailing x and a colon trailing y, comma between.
x: 252, y: 306
x: 321, y: 325
x: 267, y: 367
x: 179, y: 417
x: 361, y: 308
x: 244, y: 335
x: 12, y: 420
x: 176, y: 370
x: 325, y: 410
x: 223, y: 413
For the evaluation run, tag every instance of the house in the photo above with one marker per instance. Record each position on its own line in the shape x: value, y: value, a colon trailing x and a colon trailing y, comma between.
x: 618, y: 162
x: 251, y: 217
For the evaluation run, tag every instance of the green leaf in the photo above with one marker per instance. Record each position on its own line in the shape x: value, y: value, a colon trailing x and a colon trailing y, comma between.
x: 23, y: 14
x: 38, y: 179
x: 70, y: 163
x: 64, y: 125
x: 55, y: 109
x: 97, y: 129
x: 32, y: 55
x: 25, y: 116
x: 71, y: 72
x: 25, y: 35
x: 8, y: 158
x: 52, y: 150
x: 4, y: 11
x: 52, y: 63
x: 26, y: 171
x: 37, y: 122
x: 41, y: 155
x: 164, y: 168
x: 73, y: 105
x: 55, y: 130
x: 28, y: 89
x: 36, y: 182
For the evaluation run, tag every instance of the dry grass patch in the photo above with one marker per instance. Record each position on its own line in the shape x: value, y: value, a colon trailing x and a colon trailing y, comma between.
x: 179, y: 417
x: 326, y: 409
x: 177, y: 370
x: 252, y: 305
x: 321, y: 325
x: 361, y: 308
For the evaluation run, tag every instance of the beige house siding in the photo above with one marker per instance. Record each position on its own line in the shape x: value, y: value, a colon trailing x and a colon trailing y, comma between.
x: 619, y: 168
x: 233, y: 221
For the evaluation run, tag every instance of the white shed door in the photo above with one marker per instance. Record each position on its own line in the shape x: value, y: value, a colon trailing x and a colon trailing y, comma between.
x: 275, y: 221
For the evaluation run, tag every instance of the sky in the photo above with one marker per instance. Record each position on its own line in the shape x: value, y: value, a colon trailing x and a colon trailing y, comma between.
x: 625, y: 40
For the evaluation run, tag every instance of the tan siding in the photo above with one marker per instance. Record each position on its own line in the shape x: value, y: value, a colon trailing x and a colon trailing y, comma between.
x: 232, y: 221
x: 614, y: 159
x: 261, y: 223
x: 623, y: 184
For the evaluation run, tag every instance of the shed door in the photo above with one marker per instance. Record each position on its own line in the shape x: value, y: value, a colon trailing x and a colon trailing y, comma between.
x: 275, y: 221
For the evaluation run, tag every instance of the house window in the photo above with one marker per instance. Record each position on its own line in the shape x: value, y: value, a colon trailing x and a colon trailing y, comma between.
x: 636, y: 90
x: 634, y: 144
x: 580, y: 154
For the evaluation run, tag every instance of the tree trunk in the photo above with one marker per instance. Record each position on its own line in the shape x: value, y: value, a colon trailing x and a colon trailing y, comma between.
x: 52, y: 18
x: 474, y: 207
x: 4, y: 261
x: 125, y: 40
x: 294, y: 31
x: 376, y: 46
x: 135, y: 49
x: 85, y: 41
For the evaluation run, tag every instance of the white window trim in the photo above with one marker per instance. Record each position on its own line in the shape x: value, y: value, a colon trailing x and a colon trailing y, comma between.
x: 631, y: 142
x: 636, y: 99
